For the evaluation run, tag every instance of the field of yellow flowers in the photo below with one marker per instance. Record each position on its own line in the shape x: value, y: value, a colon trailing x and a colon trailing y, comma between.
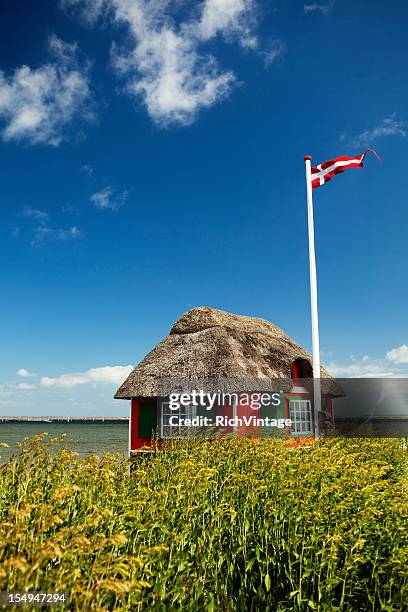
x: 217, y: 525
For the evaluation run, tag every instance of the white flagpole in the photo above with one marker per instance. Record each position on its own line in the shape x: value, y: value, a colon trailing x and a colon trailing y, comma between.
x: 313, y: 298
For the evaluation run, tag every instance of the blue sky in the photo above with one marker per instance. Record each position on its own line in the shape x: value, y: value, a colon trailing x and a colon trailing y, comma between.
x: 151, y: 160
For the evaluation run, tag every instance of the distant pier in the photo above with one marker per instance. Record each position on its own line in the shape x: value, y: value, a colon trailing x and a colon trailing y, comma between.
x: 59, y: 419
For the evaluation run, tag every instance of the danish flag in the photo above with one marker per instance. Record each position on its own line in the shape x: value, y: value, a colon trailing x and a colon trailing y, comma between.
x: 322, y: 173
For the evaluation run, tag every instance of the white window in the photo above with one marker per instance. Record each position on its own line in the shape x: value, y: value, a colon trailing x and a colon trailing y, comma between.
x: 175, y: 430
x: 300, y: 413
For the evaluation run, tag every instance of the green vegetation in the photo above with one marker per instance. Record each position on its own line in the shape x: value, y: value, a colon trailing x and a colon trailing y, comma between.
x: 217, y: 525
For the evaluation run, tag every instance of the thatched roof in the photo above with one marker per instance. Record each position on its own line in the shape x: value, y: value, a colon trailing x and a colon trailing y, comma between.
x: 233, y: 352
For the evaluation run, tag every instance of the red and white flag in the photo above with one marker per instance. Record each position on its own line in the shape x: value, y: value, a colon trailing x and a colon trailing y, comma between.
x: 322, y: 173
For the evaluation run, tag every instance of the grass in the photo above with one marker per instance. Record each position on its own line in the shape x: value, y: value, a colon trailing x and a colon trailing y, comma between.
x: 216, y: 525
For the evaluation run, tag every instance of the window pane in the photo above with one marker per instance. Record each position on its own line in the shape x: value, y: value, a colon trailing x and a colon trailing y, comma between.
x: 174, y: 430
x: 300, y: 412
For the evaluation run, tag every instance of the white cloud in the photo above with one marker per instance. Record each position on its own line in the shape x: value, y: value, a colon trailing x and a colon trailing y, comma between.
x: 367, y: 367
x: 45, y: 232
x: 228, y: 17
x: 398, y: 355
x: 38, y: 104
x: 35, y: 213
x: 107, y: 374
x: 106, y: 199
x: 276, y: 50
x: 70, y: 233
x: 88, y: 169
x: 25, y: 386
x: 26, y: 373
x: 90, y: 9
x: 390, y: 126
x: 41, y: 229
x: 164, y: 68
x: 360, y: 369
x: 5, y: 391
x: 324, y: 8
x: 166, y: 63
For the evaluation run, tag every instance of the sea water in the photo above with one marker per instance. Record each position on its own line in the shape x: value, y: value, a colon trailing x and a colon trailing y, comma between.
x: 83, y: 438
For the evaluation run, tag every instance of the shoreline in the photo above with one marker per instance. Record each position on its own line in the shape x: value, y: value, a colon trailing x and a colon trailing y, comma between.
x: 7, y: 419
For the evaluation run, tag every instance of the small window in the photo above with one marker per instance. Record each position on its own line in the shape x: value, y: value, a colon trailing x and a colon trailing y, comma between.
x: 300, y: 413
x: 168, y: 430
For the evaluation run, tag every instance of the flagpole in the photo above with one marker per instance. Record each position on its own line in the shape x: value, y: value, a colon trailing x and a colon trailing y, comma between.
x: 313, y: 298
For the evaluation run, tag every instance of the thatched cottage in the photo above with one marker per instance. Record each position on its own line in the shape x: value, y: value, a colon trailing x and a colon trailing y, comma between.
x: 214, y: 350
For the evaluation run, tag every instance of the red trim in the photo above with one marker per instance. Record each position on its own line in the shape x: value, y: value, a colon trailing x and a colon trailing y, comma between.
x: 286, y: 414
x: 295, y: 370
x: 245, y: 410
x: 226, y: 411
x: 286, y: 408
x: 135, y: 441
x: 306, y: 157
x: 134, y: 423
x: 295, y: 374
